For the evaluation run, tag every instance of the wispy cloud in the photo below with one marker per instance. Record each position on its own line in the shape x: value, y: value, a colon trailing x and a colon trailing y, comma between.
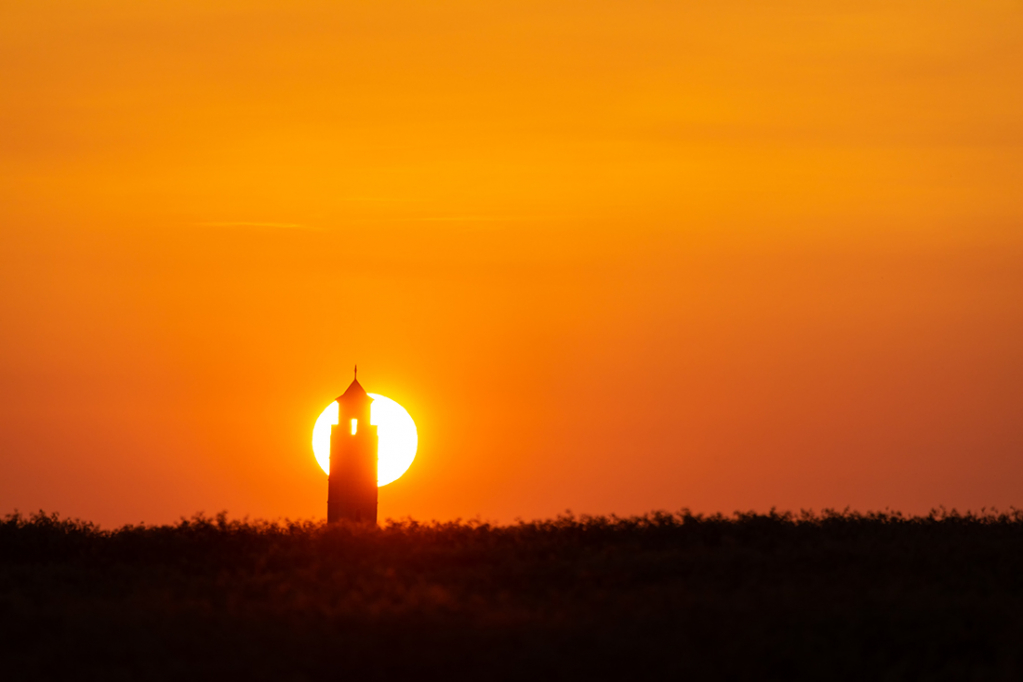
x: 247, y: 223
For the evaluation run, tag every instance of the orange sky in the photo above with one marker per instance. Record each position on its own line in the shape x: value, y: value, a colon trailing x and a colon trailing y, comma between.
x: 613, y: 256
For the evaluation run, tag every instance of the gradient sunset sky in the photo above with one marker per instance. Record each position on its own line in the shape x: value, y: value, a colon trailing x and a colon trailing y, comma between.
x: 612, y: 256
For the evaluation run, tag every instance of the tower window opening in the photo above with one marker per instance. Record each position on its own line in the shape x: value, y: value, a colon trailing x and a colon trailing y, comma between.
x: 355, y: 426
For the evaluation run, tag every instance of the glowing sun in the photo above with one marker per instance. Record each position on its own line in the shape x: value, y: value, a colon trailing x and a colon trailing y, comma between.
x: 398, y: 437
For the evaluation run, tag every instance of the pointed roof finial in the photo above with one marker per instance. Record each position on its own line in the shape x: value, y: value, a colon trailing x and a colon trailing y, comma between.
x: 355, y: 389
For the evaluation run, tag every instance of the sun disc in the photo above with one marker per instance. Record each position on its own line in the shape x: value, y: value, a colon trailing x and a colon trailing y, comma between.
x: 399, y: 439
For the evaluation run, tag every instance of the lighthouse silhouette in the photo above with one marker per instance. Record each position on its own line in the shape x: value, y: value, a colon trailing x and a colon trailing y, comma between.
x: 352, y: 483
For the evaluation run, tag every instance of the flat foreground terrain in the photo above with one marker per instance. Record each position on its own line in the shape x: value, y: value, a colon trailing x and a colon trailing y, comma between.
x: 836, y: 596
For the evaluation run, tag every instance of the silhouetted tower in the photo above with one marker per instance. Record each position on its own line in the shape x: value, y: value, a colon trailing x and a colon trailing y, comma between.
x: 352, y: 486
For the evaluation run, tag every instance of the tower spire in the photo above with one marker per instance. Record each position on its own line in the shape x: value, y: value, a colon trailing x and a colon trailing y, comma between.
x: 356, y: 372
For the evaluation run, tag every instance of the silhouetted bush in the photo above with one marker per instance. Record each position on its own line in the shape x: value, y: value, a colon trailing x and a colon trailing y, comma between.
x: 777, y: 596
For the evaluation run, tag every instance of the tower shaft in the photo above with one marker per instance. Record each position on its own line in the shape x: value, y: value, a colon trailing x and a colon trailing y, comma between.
x: 352, y: 487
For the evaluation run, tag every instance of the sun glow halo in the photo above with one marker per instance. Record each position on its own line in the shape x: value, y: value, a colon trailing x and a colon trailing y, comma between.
x: 399, y: 439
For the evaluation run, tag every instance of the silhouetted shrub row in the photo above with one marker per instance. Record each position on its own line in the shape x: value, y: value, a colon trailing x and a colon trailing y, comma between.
x: 755, y: 596
x: 220, y: 541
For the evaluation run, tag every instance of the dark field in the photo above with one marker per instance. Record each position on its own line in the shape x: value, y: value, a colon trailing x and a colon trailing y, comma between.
x: 836, y: 596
